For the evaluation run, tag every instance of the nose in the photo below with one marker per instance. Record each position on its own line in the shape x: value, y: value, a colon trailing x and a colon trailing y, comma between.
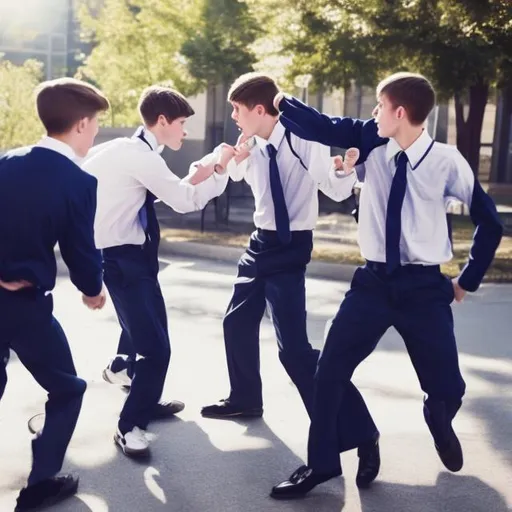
x: 234, y: 116
x: 374, y: 111
x: 185, y: 133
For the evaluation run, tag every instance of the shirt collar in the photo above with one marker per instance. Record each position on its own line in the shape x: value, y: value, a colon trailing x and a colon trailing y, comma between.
x: 416, y: 152
x: 148, y: 136
x: 275, y: 138
x: 59, y: 147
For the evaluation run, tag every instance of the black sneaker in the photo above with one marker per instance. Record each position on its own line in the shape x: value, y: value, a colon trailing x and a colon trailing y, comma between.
x: 164, y: 410
x: 227, y: 409
x: 46, y: 493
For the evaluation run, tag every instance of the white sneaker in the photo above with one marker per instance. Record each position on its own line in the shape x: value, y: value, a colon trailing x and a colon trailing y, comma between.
x: 120, y: 378
x: 134, y: 443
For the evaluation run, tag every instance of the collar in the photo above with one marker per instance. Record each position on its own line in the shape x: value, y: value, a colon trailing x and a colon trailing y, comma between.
x: 59, y: 147
x: 148, y: 137
x: 276, y: 137
x: 416, y: 152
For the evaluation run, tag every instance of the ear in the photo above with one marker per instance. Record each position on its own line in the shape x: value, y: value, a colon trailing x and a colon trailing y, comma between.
x: 162, y: 121
x: 82, y: 125
x: 260, y: 110
x: 400, y: 113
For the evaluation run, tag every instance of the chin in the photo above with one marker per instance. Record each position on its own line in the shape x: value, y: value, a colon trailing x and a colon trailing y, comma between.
x: 385, y: 134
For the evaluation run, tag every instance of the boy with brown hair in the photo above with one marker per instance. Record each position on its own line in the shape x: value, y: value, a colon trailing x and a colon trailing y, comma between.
x: 131, y: 175
x: 403, y: 236
x: 285, y: 174
x: 45, y: 198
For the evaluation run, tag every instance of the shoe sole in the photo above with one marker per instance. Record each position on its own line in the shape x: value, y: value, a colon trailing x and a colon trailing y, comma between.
x: 232, y: 415
x: 133, y: 454
x: 54, y: 500
x: 281, y: 497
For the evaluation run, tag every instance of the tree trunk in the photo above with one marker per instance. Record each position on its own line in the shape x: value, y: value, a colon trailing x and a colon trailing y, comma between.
x: 469, y: 131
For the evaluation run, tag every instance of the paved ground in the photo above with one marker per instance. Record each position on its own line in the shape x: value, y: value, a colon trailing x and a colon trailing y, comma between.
x: 226, y: 466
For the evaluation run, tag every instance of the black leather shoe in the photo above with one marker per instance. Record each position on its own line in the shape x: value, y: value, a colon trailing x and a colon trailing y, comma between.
x: 300, y: 483
x: 369, y: 463
x: 226, y: 409
x: 447, y: 444
x: 165, y: 410
x: 46, y: 493
x: 450, y: 453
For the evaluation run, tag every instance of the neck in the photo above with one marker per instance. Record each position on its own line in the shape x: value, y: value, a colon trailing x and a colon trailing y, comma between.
x: 409, y: 136
x: 266, y: 131
x: 155, y: 133
x: 67, y: 139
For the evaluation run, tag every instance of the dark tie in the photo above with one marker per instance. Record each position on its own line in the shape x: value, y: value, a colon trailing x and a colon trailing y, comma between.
x: 394, y: 214
x: 148, y: 218
x: 276, y: 188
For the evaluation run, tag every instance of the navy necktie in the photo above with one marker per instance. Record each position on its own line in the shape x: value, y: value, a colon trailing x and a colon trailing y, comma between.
x: 394, y: 214
x: 147, y: 213
x: 276, y: 188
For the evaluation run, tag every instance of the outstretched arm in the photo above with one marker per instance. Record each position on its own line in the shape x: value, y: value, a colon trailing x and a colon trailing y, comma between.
x: 344, y: 132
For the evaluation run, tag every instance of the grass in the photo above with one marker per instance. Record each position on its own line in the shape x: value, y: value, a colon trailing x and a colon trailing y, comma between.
x: 500, y: 270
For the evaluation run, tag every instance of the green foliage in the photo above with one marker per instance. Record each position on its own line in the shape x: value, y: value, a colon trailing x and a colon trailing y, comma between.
x: 19, y: 124
x: 137, y: 44
x: 219, y: 48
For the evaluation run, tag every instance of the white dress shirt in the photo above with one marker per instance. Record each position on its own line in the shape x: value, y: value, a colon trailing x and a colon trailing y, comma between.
x: 126, y: 168
x: 300, y: 185
x: 58, y: 146
x: 435, y: 172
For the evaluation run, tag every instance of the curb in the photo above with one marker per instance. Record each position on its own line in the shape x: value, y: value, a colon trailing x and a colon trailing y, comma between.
x: 318, y: 269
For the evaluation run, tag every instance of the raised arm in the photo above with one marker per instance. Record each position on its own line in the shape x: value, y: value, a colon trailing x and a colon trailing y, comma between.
x: 344, y: 132
x: 489, y: 229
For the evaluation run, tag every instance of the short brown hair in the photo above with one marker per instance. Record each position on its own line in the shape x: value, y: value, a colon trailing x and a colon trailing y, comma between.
x: 411, y: 91
x: 254, y: 89
x: 64, y: 101
x: 157, y: 100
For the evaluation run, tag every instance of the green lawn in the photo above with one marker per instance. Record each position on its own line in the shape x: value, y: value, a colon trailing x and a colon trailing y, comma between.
x: 500, y: 271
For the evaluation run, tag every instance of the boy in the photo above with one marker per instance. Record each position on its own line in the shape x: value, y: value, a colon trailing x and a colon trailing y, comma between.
x: 131, y: 174
x: 404, y: 238
x: 284, y: 173
x: 46, y: 198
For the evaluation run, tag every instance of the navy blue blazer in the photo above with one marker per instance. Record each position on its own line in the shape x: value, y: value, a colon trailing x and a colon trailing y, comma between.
x: 47, y: 199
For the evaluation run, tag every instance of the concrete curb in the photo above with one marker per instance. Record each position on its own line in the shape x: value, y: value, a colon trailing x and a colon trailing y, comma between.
x: 318, y: 269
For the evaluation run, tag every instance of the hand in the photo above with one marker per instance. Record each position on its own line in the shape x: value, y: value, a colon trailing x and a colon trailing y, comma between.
x: 202, y: 173
x: 277, y: 99
x: 227, y: 152
x: 96, y: 302
x: 460, y: 293
x: 351, y: 157
x: 242, y: 151
x: 14, y: 286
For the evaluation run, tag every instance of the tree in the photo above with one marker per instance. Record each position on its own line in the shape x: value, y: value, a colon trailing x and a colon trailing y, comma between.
x: 136, y: 44
x: 19, y: 124
x: 219, y: 49
x: 463, y: 46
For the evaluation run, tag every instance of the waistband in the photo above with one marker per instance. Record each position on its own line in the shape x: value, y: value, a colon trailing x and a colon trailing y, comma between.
x: 380, y: 267
x: 122, y: 250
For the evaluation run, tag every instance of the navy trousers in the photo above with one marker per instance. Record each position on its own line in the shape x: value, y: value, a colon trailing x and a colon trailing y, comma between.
x: 273, y: 273
x: 415, y: 300
x: 30, y: 330
x: 131, y: 278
